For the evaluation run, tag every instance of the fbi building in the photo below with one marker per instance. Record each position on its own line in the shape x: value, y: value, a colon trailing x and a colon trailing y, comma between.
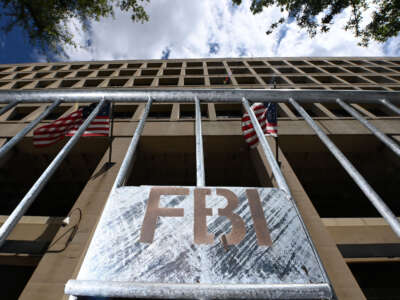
x: 171, y: 202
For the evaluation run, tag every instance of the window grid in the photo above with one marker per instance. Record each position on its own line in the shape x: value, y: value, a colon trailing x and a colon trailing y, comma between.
x: 296, y: 73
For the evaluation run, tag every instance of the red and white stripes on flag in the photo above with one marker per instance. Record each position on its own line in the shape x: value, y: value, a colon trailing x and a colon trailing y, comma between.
x: 51, y: 133
x: 269, y: 127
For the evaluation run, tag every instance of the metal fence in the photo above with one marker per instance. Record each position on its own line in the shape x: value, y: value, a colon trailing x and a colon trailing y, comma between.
x: 294, y: 97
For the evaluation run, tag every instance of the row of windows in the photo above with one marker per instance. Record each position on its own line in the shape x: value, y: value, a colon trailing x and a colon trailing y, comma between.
x: 210, y: 71
x: 302, y: 82
x: 199, y: 64
x: 222, y: 111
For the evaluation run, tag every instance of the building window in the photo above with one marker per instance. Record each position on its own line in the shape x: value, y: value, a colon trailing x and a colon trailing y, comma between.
x: 168, y: 81
x: 57, y: 112
x: 160, y: 111
x: 123, y: 111
x: 377, y: 280
x: 127, y: 72
x: 215, y: 64
x: 229, y: 162
x: 174, y: 65
x: 331, y: 190
x: 143, y: 81
x: 194, y: 71
x: 192, y: 64
x: 194, y: 81
x: 21, y: 112
x: 228, y: 111
x: 187, y: 111
x: 149, y: 72
x: 93, y: 82
x: 21, y: 84
x: 117, y: 82
x: 168, y: 72
x: 164, y: 160
x: 247, y: 80
x: 15, y: 277
x: 64, y: 187
x: 134, y: 66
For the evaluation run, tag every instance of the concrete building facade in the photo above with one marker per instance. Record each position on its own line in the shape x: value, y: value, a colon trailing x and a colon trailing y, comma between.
x: 360, y: 252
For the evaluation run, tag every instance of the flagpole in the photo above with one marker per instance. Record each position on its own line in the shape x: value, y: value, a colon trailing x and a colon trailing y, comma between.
x: 273, y: 81
x: 111, y: 132
x: 277, y: 151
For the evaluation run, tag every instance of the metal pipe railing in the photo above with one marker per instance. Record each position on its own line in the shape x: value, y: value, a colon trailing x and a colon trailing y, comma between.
x: 187, y: 95
x: 389, y: 105
x: 31, y: 195
x: 280, y: 180
x: 379, y: 134
x: 8, y: 107
x: 20, y: 135
x: 126, y: 165
x: 383, y: 209
x: 153, y: 290
x: 199, y: 146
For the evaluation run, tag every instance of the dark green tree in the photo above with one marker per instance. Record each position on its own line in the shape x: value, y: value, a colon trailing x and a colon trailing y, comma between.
x: 45, y: 21
x: 385, y: 22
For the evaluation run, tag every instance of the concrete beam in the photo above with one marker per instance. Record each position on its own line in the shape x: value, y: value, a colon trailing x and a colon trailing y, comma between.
x: 360, y: 231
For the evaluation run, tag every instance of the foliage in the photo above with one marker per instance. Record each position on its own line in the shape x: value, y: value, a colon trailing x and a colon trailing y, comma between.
x: 385, y: 22
x: 46, y: 21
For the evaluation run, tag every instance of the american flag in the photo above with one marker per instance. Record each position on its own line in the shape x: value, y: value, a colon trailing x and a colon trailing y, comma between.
x: 51, y: 133
x: 266, y: 116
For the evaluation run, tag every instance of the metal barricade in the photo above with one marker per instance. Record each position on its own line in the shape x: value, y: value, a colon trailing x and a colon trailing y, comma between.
x: 90, y: 287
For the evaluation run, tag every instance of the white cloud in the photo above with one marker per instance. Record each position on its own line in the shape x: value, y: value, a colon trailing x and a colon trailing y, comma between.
x: 187, y: 28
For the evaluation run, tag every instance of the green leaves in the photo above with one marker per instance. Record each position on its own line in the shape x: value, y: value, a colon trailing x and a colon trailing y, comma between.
x: 385, y: 21
x: 45, y: 21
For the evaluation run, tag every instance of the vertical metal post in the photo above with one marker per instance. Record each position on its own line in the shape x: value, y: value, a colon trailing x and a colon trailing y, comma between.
x: 8, y: 107
x: 267, y: 149
x: 20, y: 135
x: 199, y: 146
x: 31, y: 195
x: 111, y: 115
x: 126, y: 165
x: 380, y: 135
x: 273, y: 82
x: 389, y: 105
x: 278, y: 173
x: 351, y: 170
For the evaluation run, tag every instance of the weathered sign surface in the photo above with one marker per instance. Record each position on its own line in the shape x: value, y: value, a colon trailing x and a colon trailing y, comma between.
x: 191, y: 238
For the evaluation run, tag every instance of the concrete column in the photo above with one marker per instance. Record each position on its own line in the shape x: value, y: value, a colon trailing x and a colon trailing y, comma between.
x: 344, y: 284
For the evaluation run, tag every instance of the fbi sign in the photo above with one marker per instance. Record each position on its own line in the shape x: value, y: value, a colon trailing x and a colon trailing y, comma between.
x: 188, y: 236
x: 201, y: 212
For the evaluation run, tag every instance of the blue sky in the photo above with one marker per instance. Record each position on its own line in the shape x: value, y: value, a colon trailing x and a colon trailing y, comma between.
x: 14, y: 46
x: 193, y: 29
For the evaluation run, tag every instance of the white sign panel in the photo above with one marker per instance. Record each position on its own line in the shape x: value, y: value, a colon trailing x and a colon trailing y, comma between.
x: 211, y: 242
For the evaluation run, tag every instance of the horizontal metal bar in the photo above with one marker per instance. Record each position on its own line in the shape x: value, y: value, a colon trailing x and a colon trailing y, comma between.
x: 380, y: 135
x: 20, y: 135
x: 196, y: 291
x: 187, y: 95
x: 267, y: 149
x: 31, y: 195
x: 199, y: 146
x: 126, y: 165
x: 383, y: 209
x: 389, y: 105
x: 8, y: 107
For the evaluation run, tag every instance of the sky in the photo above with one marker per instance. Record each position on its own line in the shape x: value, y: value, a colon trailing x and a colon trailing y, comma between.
x: 195, y: 29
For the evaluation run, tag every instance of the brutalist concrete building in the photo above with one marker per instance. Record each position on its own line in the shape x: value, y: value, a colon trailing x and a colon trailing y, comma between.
x: 312, y: 214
